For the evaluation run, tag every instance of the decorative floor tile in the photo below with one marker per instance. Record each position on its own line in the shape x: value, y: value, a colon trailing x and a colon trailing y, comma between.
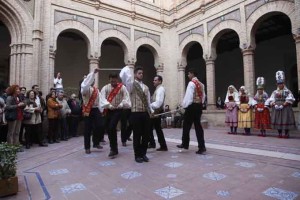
x: 173, y: 164
x: 171, y: 175
x: 119, y: 190
x: 58, y: 171
x: 107, y: 163
x: 73, y: 188
x: 296, y: 174
x: 150, y: 155
x: 245, y: 164
x: 169, y: 192
x: 214, y: 176
x: 93, y: 173
x: 281, y: 194
x: 174, y: 156
x: 205, y: 157
x: 91, y: 155
x: 258, y: 175
x: 223, y: 193
x: 131, y: 175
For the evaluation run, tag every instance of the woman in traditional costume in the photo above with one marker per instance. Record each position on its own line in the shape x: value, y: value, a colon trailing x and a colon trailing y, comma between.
x: 281, y: 100
x: 232, y: 103
x: 245, y: 111
x: 262, y: 113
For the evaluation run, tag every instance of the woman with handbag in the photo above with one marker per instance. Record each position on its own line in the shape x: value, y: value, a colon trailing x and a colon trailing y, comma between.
x: 13, y: 114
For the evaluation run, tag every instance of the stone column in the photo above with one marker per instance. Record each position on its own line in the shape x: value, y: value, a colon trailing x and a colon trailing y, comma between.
x: 181, y: 82
x: 211, y: 88
x: 51, y: 69
x: 297, y: 41
x: 94, y: 63
x: 249, y: 71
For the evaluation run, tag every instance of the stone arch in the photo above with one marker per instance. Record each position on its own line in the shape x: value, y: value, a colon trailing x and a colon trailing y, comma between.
x: 186, y: 44
x: 118, y: 37
x: 78, y: 28
x: 217, y: 32
x: 285, y: 7
x: 153, y: 46
x: 18, y: 21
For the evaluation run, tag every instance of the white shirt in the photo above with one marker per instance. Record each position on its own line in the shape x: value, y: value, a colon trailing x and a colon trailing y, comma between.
x: 159, y: 98
x: 58, y: 83
x: 123, y: 94
x: 85, y: 89
x: 189, y: 94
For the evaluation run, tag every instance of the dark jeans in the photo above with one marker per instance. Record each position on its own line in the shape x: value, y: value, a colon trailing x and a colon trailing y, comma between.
x: 112, y: 119
x: 141, y: 127
x: 126, y: 125
x: 52, y: 129
x: 93, y: 123
x: 73, y: 125
x: 33, y: 131
x: 193, y: 115
x: 156, y: 124
x: 62, y: 127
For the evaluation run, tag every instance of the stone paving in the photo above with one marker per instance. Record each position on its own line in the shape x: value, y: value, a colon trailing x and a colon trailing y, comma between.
x: 234, y: 167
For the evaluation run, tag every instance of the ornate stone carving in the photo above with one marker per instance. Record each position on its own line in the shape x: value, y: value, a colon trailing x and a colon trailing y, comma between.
x: 234, y: 15
x: 139, y: 34
x: 61, y: 16
x: 197, y: 30
x: 109, y: 26
x: 250, y: 8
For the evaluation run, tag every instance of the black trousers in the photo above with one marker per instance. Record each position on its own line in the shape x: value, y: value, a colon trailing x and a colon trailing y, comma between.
x: 94, y: 123
x: 141, y: 127
x: 192, y: 115
x: 155, y: 123
x: 33, y: 131
x: 52, y: 129
x: 73, y: 122
x: 112, y: 119
x: 126, y: 125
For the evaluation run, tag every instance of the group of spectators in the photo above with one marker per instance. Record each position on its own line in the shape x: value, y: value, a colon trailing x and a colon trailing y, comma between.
x: 22, y: 116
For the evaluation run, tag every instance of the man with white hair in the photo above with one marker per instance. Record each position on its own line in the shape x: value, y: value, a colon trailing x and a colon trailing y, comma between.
x: 74, y: 116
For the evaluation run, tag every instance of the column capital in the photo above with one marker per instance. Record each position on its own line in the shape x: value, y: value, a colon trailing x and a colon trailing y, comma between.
x: 209, y: 61
x: 297, y: 38
x: 130, y: 62
x: 94, y: 61
x: 160, y: 68
x: 248, y: 51
x: 180, y: 67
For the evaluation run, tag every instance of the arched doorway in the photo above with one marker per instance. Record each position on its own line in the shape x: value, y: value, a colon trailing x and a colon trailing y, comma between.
x: 229, y: 62
x: 275, y: 50
x: 195, y: 61
x: 145, y: 59
x: 5, y: 40
x: 71, y: 60
x: 112, y: 59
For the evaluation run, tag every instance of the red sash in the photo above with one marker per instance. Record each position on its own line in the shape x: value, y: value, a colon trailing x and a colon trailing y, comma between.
x: 86, y: 109
x: 198, y: 89
x: 113, y: 94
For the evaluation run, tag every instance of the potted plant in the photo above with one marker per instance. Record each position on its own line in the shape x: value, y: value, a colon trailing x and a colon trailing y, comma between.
x: 8, y: 169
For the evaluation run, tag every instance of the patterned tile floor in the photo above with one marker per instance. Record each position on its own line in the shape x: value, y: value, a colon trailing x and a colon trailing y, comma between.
x: 234, y: 167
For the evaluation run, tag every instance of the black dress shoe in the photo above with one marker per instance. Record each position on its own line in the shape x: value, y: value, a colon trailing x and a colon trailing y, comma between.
x: 87, y: 151
x: 139, y: 159
x: 201, y: 151
x: 124, y: 144
x: 145, y: 158
x: 180, y: 146
x: 98, y: 146
x: 162, y: 149
x: 112, y: 154
x: 43, y: 145
x: 151, y: 146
